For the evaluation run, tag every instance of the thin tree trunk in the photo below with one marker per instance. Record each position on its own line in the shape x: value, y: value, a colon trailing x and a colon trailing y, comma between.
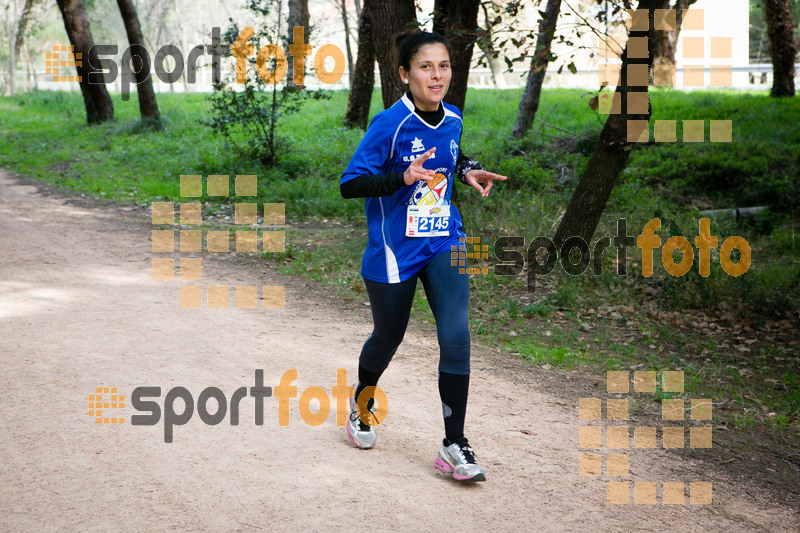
x: 665, y: 45
x: 492, y: 56
x: 22, y: 20
x: 610, y: 155
x: 457, y: 22
x: 533, y: 88
x: 95, y: 96
x: 360, y: 97
x: 358, y: 8
x: 12, y: 56
x: 782, y: 49
x: 350, y: 66
x: 389, y: 19
x: 298, y: 16
x: 148, y: 107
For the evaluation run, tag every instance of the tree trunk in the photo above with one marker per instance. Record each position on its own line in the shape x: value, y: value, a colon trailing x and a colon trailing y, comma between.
x: 350, y: 67
x: 389, y: 19
x: 457, y: 22
x: 298, y: 16
x: 148, y: 107
x: 95, y: 96
x: 492, y: 55
x: 12, y: 57
x: 610, y: 155
x: 17, y: 38
x: 665, y: 45
x: 782, y: 47
x: 360, y: 97
x: 541, y: 57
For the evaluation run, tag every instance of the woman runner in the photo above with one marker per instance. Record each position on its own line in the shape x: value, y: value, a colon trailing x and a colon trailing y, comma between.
x: 405, y: 167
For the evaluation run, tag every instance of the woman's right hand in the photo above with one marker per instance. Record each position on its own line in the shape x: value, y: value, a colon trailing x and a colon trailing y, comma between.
x: 416, y: 172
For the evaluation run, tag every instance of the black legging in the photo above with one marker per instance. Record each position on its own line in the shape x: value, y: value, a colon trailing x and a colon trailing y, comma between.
x: 448, y: 296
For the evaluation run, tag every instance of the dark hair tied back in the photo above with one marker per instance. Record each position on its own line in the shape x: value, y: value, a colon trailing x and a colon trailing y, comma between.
x: 409, y: 43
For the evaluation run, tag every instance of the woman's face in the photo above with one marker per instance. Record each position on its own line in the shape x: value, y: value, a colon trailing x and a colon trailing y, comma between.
x: 429, y: 77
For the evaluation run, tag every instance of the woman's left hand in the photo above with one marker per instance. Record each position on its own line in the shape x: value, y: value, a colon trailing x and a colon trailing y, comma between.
x: 476, y: 177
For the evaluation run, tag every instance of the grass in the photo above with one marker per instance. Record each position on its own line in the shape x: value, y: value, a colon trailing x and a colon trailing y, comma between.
x: 601, y: 321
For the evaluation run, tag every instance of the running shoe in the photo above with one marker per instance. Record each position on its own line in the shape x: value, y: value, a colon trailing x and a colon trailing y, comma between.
x: 361, y: 435
x: 457, y: 458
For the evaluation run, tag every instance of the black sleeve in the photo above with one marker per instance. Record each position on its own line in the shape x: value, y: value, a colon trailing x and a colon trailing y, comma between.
x: 463, y: 165
x: 373, y: 186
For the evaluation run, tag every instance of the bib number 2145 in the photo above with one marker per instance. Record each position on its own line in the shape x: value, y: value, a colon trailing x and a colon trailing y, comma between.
x: 428, y: 221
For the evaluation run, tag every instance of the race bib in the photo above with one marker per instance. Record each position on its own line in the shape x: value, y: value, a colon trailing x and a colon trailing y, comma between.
x: 428, y: 221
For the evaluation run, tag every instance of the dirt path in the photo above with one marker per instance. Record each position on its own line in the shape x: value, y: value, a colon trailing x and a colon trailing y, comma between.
x: 78, y: 310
